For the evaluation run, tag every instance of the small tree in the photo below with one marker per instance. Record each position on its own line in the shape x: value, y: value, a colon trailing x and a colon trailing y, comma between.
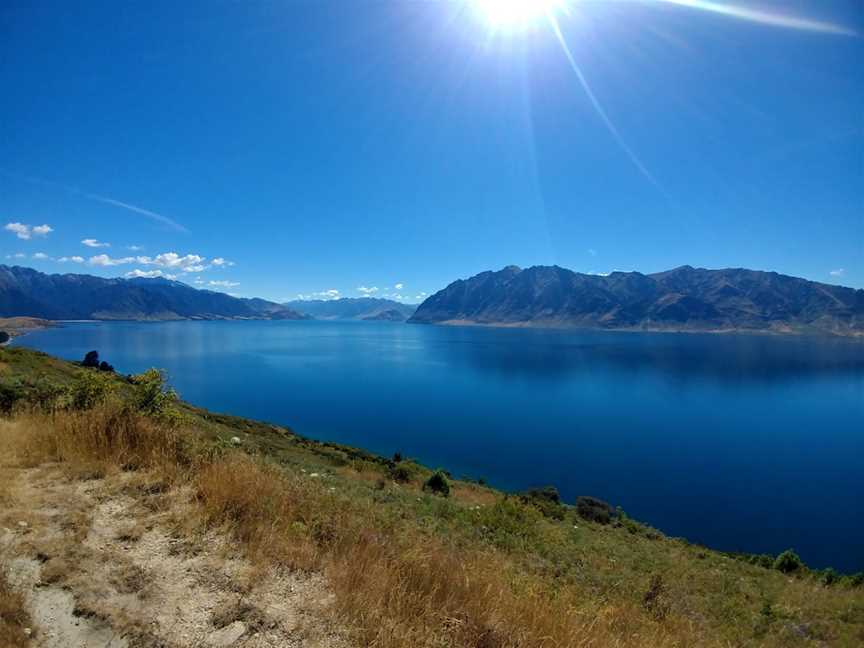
x: 788, y: 562
x: 104, y: 366
x: 438, y: 484
x: 91, y: 359
x: 153, y: 397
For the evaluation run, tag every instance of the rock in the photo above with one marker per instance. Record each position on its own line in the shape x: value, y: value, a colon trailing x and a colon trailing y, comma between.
x: 22, y: 524
x: 227, y: 636
x: 235, y: 440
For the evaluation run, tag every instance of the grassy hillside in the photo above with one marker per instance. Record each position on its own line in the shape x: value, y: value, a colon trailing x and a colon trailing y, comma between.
x: 414, y: 557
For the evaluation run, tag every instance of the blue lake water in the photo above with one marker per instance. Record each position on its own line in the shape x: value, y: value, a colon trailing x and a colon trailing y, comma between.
x: 746, y: 443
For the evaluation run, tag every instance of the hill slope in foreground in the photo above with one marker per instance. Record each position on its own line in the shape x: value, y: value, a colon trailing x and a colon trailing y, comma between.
x: 130, y: 518
x: 683, y: 299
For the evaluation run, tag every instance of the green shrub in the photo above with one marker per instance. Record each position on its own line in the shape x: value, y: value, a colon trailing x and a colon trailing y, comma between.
x: 761, y: 560
x: 788, y: 562
x: 438, y: 484
x: 90, y: 389
x: 91, y: 359
x: 546, y: 500
x: 10, y: 393
x: 829, y: 577
x: 595, y: 510
x: 47, y: 395
x: 401, y: 473
x: 153, y: 397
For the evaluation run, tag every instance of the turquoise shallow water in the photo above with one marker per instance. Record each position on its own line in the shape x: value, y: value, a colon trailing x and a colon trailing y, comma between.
x: 747, y: 443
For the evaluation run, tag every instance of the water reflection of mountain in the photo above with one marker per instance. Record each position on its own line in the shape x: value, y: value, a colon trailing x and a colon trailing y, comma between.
x: 725, y: 358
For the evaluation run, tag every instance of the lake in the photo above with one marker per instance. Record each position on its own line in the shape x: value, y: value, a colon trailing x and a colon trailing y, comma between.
x: 748, y: 443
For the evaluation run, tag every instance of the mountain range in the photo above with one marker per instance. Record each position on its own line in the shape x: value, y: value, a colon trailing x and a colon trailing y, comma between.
x: 367, y: 308
x: 683, y: 299
x: 26, y: 292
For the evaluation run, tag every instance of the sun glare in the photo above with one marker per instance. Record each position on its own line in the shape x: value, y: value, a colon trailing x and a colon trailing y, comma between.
x: 511, y: 15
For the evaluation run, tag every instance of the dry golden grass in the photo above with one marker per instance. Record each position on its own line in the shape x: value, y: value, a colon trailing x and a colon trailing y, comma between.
x: 399, y: 584
x: 14, y: 619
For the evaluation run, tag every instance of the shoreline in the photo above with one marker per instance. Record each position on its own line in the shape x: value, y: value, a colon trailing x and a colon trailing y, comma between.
x: 551, y: 326
x: 20, y: 326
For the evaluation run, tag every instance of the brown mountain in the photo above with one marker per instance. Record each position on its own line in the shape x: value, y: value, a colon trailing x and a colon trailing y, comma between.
x: 683, y: 299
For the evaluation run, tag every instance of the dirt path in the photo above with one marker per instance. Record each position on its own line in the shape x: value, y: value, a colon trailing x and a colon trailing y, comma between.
x: 107, y: 563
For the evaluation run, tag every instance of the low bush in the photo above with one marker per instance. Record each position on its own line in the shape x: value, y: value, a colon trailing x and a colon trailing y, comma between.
x: 154, y: 398
x: 401, y: 473
x: 546, y: 500
x: 10, y: 394
x: 438, y: 484
x: 829, y: 577
x: 91, y: 360
x: 594, y: 510
x: 788, y: 562
x: 89, y: 390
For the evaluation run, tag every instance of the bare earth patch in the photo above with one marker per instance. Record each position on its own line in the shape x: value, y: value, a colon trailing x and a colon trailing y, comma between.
x: 110, y: 563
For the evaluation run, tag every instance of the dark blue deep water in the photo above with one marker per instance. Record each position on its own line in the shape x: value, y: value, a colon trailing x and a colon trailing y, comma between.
x: 739, y: 442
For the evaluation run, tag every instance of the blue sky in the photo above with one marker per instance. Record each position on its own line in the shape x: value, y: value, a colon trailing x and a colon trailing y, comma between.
x: 285, y: 148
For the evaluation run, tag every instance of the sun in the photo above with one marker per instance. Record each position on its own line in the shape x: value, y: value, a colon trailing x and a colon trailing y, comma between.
x: 511, y: 15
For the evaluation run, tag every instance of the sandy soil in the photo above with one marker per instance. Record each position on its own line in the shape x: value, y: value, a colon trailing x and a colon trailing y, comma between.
x: 107, y: 562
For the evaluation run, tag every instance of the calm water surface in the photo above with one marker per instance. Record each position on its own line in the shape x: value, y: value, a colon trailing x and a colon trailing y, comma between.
x: 740, y: 442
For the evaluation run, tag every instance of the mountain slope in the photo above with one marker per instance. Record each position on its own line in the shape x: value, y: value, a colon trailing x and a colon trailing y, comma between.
x: 353, y: 308
x: 686, y: 298
x: 26, y: 292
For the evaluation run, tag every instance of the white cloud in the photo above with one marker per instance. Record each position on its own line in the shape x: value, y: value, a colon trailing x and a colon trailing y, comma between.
x: 167, y: 260
x: 17, y: 255
x: 94, y: 243
x: 367, y: 290
x: 326, y: 295
x: 25, y: 232
x: 41, y: 256
x: 223, y: 284
x: 73, y: 259
x: 199, y: 281
x: 839, y: 272
x: 592, y: 251
x: 219, y: 261
x: 148, y: 274
x: 421, y: 295
x: 134, y: 248
x: 399, y: 286
x: 187, y: 263
x: 105, y: 261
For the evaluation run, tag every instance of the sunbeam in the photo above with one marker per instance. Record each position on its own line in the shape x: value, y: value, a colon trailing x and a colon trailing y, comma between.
x: 553, y: 22
x: 764, y: 17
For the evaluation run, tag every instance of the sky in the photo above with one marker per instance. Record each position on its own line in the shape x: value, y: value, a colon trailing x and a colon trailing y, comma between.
x: 351, y: 147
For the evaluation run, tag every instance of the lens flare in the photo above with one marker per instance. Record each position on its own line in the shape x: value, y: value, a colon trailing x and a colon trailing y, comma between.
x: 511, y: 15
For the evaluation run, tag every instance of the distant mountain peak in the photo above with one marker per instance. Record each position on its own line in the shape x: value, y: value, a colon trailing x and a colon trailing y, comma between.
x: 367, y: 308
x: 25, y: 291
x: 682, y: 299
